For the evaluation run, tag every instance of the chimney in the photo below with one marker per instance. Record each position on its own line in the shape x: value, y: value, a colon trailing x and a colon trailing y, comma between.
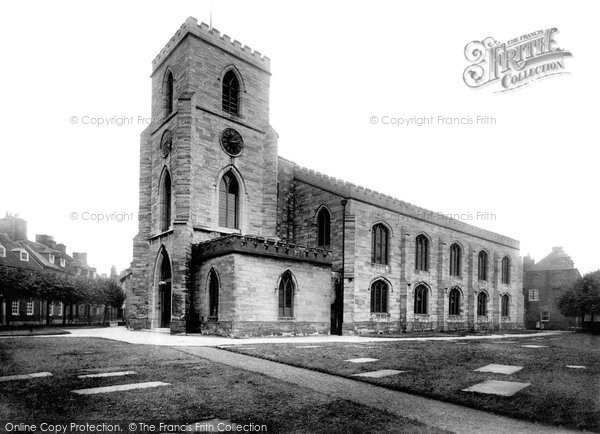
x: 528, y: 262
x: 14, y: 227
x: 80, y: 258
x: 46, y: 240
x: 61, y: 248
x: 558, y: 249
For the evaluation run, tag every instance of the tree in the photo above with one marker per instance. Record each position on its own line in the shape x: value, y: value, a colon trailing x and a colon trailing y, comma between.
x: 583, y: 298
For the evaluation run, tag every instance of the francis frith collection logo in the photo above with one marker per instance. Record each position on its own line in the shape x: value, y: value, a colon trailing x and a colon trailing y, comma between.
x: 516, y: 63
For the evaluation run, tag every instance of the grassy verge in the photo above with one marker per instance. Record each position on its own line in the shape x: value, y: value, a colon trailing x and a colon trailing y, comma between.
x: 199, y: 390
x: 441, y: 369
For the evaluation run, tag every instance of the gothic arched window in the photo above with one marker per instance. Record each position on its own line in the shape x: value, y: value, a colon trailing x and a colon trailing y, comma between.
x: 379, y: 296
x: 213, y: 294
x: 482, y: 304
x: 379, y: 251
x: 506, y: 270
x: 231, y: 93
x: 165, y: 201
x: 505, y: 305
x: 422, y: 253
x: 421, y: 296
x: 455, y: 259
x: 286, y: 295
x: 168, y: 94
x: 228, y: 201
x: 482, y: 265
x: 323, y: 227
x: 454, y: 302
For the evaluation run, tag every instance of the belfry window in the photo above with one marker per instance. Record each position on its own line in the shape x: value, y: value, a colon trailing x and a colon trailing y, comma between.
x: 323, y: 228
x: 165, y: 201
x: 455, y: 260
x: 231, y: 93
x: 168, y: 94
x: 286, y: 295
x: 379, y: 251
x: 422, y: 253
x: 379, y: 296
x: 228, y: 202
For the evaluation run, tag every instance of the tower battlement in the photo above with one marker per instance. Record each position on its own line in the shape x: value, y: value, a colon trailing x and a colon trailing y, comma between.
x: 213, y: 37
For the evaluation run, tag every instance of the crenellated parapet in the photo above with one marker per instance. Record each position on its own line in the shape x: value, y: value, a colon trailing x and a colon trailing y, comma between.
x: 357, y: 192
x: 259, y: 246
x: 213, y: 37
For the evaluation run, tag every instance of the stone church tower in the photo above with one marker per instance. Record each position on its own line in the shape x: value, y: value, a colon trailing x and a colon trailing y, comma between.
x: 196, y: 138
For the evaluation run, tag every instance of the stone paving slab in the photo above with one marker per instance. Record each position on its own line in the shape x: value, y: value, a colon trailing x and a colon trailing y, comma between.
x: 500, y: 369
x: 495, y: 387
x: 25, y: 376
x: 107, y: 374
x: 119, y: 388
x: 362, y: 360
x: 379, y: 374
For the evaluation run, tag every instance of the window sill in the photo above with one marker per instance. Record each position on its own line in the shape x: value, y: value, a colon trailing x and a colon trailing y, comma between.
x: 286, y: 318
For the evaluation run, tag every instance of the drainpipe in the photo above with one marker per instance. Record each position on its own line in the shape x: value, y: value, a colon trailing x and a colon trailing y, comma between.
x: 341, y: 294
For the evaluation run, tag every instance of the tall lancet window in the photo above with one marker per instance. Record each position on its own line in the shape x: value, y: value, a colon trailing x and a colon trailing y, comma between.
x: 229, y: 201
x: 165, y: 201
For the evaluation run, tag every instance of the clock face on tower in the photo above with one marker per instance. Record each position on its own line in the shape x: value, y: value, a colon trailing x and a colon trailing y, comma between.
x: 232, y: 142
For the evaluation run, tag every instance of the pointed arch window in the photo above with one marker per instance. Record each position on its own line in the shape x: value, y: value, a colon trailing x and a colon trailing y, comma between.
x: 505, y: 305
x: 422, y: 253
x: 231, y: 93
x: 482, y: 265
x: 379, y: 251
x: 213, y: 294
x: 286, y: 295
x: 421, y: 299
x: 454, y: 302
x: 323, y: 228
x: 455, y: 259
x: 506, y: 270
x: 379, y: 296
x: 229, y: 201
x: 482, y: 304
x: 165, y: 201
x: 169, y: 102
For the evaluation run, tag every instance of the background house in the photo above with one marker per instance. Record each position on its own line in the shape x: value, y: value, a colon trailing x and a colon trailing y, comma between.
x: 543, y: 284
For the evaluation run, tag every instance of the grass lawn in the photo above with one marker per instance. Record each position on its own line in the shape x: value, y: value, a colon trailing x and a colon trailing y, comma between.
x: 441, y: 369
x: 199, y: 390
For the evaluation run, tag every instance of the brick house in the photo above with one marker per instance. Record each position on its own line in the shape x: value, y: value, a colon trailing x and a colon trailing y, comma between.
x: 543, y: 284
x: 43, y: 255
x: 249, y: 243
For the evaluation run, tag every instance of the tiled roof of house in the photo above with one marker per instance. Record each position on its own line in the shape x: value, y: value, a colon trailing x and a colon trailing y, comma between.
x: 12, y: 258
x: 558, y: 259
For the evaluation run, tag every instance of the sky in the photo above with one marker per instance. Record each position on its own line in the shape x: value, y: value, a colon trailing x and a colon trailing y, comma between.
x: 340, y: 72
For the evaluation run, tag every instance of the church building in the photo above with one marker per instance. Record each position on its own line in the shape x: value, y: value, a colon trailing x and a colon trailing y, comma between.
x: 234, y: 240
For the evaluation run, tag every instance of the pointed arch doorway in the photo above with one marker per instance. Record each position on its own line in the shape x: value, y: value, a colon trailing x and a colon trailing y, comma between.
x: 163, y: 274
